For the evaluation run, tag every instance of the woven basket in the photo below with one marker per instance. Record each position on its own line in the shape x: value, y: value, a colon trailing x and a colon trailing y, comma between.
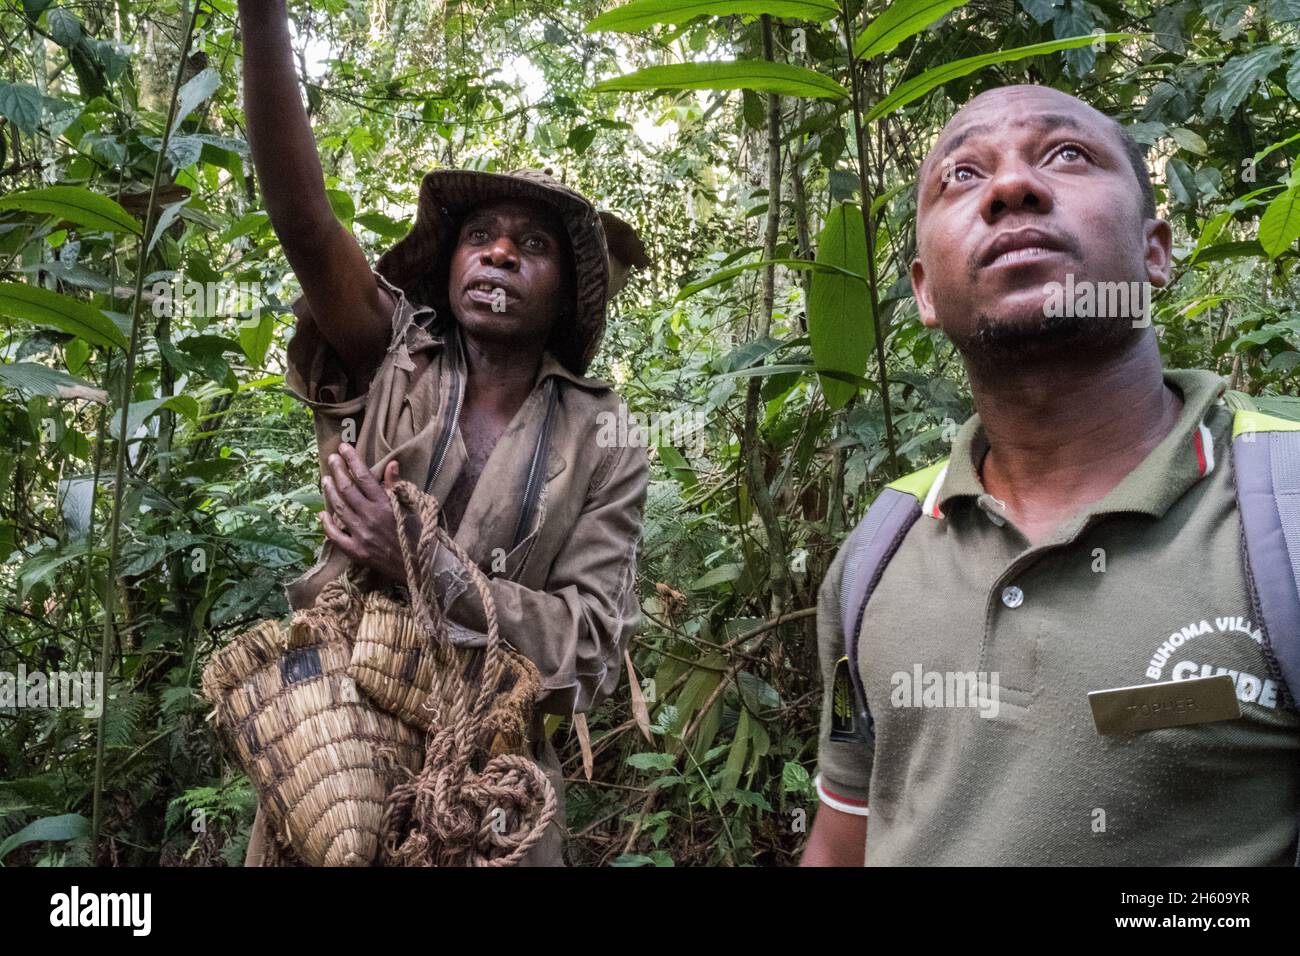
x: 319, y: 753
x: 392, y: 661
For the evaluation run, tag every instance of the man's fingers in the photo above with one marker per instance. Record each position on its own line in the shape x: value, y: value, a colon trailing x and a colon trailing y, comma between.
x: 349, y: 489
x: 365, y: 481
x: 391, y: 475
x: 337, y: 505
x: 341, y: 540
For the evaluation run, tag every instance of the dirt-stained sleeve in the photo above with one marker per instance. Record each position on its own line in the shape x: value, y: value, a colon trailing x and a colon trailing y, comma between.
x: 576, y: 629
x: 317, y: 378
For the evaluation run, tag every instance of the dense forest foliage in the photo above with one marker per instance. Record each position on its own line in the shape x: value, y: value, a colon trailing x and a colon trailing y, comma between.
x: 158, y: 486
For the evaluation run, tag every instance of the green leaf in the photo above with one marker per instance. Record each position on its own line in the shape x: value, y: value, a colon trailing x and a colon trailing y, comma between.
x: 841, y: 328
x: 39, y: 568
x: 75, y: 204
x: 381, y: 225
x: 759, y: 371
x: 794, y: 778
x: 1188, y: 140
x: 50, y: 310
x: 901, y: 19
x: 1074, y: 20
x: 720, y: 575
x: 1227, y: 250
x: 1238, y: 77
x: 1182, y: 181
x: 255, y: 338
x: 64, y: 27
x: 640, y: 14
x: 182, y: 151
x: 195, y: 91
x: 136, y: 415
x: 342, y: 205
x: 730, y: 273
x: 757, y: 75
x: 753, y: 110
x: 1279, y: 227
x: 67, y: 826
x: 918, y: 86
x: 36, y: 379
x: 21, y: 104
x: 165, y: 219
x: 649, y: 760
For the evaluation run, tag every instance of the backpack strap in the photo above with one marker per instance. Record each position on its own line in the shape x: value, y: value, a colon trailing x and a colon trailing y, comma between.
x: 1266, y: 463
x: 869, y: 549
x: 1266, y: 460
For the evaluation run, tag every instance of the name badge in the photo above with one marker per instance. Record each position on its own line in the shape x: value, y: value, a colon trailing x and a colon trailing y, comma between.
x: 1128, y: 710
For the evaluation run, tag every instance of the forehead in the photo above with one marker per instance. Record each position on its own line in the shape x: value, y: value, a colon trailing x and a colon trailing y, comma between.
x: 517, y: 212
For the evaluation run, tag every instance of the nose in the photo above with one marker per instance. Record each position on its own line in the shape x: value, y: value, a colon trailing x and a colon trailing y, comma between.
x: 500, y: 253
x: 1016, y: 187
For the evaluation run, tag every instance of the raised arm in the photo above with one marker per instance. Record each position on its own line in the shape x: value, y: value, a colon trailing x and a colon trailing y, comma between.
x: 351, y: 310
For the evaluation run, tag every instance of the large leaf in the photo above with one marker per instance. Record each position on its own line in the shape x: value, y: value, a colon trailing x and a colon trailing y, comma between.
x: 195, y: 91
x: 901, y: 19
x: 67, y: 826
x: 722, y: 275
x: 1238, y: 77
x: 20, y: 103
x: 739, y: 75
x: 918, y: 86
x: 1279, y: 227
x: 75, y: 204
x: 37, y: 379
x: 841, y: 328
x: 640, y: 14
x: 51, y: 310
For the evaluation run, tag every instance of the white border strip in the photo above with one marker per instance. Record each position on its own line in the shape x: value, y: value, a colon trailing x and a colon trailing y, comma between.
x: 1207, y: 448
x: 837, y: 804
x: 927, y: 508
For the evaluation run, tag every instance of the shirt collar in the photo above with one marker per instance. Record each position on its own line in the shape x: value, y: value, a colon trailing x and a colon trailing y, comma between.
x: 1181, y: 459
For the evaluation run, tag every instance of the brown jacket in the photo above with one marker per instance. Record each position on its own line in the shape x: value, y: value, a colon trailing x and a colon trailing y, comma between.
x: 560, y: 551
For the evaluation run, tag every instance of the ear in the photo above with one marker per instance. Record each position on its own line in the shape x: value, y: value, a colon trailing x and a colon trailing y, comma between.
x: 1159, y: 243
x: 924, y: 303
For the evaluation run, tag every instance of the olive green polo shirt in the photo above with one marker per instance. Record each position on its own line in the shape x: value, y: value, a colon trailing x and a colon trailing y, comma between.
x: 1145, y: 585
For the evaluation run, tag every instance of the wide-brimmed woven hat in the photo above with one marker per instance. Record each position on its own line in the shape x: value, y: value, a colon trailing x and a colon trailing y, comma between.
x: 604, y: 248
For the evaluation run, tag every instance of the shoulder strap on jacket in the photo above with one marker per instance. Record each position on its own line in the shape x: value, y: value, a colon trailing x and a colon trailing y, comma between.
x: 1266, y: 462
x: 870, y: 546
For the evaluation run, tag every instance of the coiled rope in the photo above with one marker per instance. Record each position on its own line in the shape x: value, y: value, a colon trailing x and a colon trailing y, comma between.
x: 450, y: 813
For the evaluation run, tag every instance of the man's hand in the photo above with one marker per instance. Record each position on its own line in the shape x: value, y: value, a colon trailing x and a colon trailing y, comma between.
x: 360, y: 518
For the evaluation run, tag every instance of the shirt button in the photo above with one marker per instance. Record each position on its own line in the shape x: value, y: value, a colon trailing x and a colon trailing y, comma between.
x: 1013, y: 596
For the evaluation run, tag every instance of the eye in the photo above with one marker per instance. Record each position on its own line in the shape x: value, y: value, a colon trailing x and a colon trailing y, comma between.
x: 953, y: 173
x: 535, y: 243
x: 1070, y: 152
x: 476, y: 234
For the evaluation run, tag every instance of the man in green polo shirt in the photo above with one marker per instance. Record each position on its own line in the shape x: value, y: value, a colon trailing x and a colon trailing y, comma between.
x: 1084, y: 536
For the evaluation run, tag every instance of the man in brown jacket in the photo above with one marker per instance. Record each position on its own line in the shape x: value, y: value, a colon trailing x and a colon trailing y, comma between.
x: 457, y: 364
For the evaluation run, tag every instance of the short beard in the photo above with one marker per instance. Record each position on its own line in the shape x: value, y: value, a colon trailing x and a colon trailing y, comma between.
x: 999, y: 347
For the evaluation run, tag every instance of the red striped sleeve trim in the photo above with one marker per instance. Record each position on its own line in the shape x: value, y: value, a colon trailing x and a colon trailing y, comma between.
x: 840, y: 802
